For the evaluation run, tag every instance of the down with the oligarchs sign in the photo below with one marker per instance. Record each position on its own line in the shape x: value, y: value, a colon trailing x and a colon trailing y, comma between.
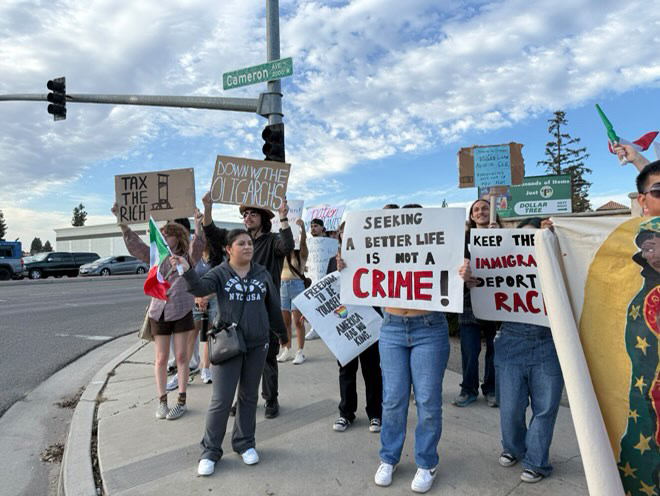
x: 407, y: 258
x: 347, y: 330
x: 508, y: 287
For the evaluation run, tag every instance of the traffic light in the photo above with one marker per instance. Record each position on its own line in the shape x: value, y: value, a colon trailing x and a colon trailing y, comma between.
x: 273, y: 136
x: 57, y: 98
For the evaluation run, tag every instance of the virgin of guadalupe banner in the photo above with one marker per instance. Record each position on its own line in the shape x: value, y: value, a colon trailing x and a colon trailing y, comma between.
x: 404, y: 258
x: 601, y: 283
x: 347, y: 330
x: 508, y: 288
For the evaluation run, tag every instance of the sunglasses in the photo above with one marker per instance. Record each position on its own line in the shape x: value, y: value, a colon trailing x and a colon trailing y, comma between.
x: 250, y: 213
x: 654, y: 191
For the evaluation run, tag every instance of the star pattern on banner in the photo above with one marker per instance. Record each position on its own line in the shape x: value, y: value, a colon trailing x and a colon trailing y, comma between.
x: 628, y: 471
x: 634, y: 311
x: 639, y: 383
x: 633, y: 414
x: 642, y: 344
x: 647, y: 489
x: 643, y: 444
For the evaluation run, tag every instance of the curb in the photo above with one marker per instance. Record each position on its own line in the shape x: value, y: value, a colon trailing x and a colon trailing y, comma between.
x: 53, y: 280
x: 76, y: 475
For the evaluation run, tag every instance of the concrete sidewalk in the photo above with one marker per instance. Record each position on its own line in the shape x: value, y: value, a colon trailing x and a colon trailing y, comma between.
x: 299, y: 451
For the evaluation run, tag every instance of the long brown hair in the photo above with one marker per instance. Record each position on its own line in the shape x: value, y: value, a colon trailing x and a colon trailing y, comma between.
x: 472, y: 223
x: 182, y: 237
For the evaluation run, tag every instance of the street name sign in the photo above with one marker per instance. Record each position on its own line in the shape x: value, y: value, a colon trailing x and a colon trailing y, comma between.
x: 275, y: 69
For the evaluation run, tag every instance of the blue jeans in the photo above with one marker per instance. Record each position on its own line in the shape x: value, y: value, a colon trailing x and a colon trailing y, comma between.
x: 413, y: 351
x: 471, y: 328
x: 528, y: 367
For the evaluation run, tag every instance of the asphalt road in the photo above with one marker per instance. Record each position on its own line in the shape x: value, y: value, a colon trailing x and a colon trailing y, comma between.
x: 45, y: 325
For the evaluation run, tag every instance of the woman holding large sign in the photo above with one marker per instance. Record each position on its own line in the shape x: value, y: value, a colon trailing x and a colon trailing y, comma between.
x: 248, y: 299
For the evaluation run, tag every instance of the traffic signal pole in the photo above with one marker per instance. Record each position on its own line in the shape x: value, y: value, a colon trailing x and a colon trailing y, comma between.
x: 274, y: 94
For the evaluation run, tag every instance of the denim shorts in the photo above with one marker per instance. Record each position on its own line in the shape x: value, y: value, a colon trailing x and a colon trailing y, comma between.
x: 289, y: 289
x: 211, y: 309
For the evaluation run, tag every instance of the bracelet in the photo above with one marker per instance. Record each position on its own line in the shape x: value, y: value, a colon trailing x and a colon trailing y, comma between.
x: 285, y: 219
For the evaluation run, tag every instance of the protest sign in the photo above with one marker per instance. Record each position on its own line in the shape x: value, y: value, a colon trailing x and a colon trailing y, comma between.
x: 347, y: 330
x: 163, y: 195
x: 242, y: 181
x: 407, y: 258
x: 504, y: 264
x: 537, y: 195
x: 295, y: 213
x: 320, y: 249
x: 329, y: 214
x: 496, y: 165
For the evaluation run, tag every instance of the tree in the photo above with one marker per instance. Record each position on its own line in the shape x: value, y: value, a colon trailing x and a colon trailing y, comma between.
x: 563, y: 157
x: 79, y: 216
x: 36, y: 246
x: 47, y: 246
x: 3, y: 225
x: 444, y: 203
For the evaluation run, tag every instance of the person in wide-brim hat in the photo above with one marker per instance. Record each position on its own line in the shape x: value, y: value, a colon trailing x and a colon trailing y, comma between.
x: 243, y: 208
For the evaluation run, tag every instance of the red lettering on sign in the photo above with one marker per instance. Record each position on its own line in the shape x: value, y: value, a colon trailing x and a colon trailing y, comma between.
x: 356, y: 283
x: 377, y: 289
x: 419, y: 285
x: 500, y: 298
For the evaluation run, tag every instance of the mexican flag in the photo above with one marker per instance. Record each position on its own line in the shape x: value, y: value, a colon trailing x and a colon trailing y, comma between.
x: 640, y: 144
x: 156, y: 285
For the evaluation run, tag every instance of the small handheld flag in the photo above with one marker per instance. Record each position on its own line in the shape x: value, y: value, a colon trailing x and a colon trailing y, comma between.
x: 611, y: 135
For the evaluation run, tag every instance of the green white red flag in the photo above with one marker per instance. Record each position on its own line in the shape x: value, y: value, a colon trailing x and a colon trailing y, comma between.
x: 156, y: 285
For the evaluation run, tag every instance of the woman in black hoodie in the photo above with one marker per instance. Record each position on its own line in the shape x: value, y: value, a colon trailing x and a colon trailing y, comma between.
x: 246, y: 296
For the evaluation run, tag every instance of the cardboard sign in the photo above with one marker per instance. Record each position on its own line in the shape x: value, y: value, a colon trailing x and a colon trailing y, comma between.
x: 321, y: 249
x: 330, y: 215
x: 242, y: 181
x: 295, y: 213
x: 164, y: 195
x: 405, y: 258
x: 509, y: 289
x: 347, y: 330
x: 496, y: 165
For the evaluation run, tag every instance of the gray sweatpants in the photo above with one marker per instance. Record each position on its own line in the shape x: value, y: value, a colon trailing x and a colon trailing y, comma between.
x: 244, y: 371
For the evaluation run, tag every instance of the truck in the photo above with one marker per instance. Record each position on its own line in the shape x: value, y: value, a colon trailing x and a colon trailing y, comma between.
x: 58, y: 264
x: 11, y: 260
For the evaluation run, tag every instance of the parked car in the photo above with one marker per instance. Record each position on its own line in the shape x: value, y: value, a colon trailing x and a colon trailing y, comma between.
x: 123, y: 264
x: 11, y: 261
x: 58, y: 264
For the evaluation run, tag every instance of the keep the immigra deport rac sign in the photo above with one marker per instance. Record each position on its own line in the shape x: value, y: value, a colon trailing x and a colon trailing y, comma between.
x: 275, y: 69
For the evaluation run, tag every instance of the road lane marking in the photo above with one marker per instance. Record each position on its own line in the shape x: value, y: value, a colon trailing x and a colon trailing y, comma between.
x: 84, y: 336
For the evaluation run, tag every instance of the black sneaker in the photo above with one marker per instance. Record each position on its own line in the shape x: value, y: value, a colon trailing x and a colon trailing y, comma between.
x: 232, y: 410
x: 272, y: 409
x: 530, y: 476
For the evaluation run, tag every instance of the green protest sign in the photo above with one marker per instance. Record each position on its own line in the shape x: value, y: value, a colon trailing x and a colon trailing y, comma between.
x: 537, y: 195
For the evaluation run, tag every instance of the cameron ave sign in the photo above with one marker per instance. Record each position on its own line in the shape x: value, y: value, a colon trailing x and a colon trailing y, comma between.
x: 275, y: 69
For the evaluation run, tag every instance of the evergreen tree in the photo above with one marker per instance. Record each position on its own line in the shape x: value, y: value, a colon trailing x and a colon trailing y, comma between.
x: 47, y: 246
x: 79, y: 216
x: 564, y: 157
x: 3, y: 225
x: 36, y: 246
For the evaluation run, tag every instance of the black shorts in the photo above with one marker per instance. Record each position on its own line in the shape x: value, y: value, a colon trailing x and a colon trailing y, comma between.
x: 163, y: 328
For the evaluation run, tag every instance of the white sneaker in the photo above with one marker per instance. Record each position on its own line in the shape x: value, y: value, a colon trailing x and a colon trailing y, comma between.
x: 206, y: 376
x: 205, y: 467
x: 285, y: 355
x: 312, y: 334
x: 300, y: 357
x: 423, y: 480
x: 250, y: 457
x: 384, y: 474
x: 172, y: 383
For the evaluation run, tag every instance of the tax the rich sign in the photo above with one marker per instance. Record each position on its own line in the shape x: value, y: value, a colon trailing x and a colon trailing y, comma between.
x: 504, y: 263
x: 163, y: 195
x: 242, y: 181
x: 405, y: 258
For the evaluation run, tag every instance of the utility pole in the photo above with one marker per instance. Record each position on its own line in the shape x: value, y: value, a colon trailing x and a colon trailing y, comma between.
x: 274, y: 112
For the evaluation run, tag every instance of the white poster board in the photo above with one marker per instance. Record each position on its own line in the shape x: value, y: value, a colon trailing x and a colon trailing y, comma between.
x: 347, y: 330
x: 404, y: 258
x: 321, y: 250
x: 295, y: 213
x: 330, y: 215
x: 509, y: 289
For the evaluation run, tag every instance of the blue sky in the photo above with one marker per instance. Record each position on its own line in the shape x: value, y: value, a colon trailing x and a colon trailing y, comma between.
x: 383, y: 95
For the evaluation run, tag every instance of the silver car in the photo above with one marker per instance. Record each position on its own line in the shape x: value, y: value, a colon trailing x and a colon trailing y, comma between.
x: 123, y: 264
